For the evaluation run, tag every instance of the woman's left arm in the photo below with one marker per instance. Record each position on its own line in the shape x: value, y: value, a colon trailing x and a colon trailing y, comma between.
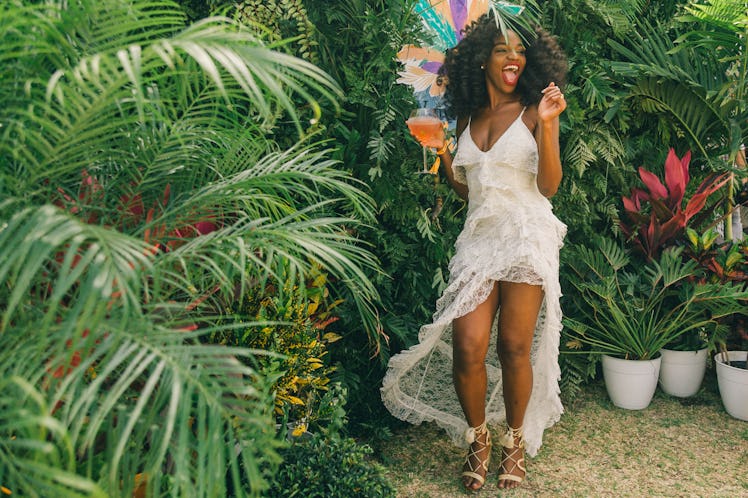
x: 546, y: 134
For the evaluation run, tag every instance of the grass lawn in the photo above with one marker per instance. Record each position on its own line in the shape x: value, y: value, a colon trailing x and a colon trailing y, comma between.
x: 674, y: 448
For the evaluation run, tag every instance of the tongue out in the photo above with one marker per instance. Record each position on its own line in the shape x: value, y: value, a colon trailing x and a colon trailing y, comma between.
x: 510, y: 77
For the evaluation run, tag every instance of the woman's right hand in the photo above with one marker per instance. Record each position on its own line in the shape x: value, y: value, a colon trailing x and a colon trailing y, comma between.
x: 428, y: 131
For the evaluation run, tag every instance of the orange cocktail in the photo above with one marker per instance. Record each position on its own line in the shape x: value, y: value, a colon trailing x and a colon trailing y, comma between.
x: 428, y: 130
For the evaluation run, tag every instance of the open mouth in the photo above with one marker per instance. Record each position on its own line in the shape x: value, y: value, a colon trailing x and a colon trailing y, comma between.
x: 510, y: 74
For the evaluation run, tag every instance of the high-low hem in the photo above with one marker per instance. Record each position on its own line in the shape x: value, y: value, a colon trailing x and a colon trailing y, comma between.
x: 544, y: 408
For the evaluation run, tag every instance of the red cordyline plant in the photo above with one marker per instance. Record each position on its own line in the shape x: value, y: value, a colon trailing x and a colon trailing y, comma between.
x: 658, y: 218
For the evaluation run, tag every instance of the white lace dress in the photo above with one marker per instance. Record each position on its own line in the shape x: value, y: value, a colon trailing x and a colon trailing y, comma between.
x: 510, y: 234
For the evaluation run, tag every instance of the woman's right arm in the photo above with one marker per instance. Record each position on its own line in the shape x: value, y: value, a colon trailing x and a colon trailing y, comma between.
x: 446, y: 160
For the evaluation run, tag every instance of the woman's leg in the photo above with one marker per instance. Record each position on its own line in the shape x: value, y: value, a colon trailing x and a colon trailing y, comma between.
x: 520, y: 305
x: 470, y: 338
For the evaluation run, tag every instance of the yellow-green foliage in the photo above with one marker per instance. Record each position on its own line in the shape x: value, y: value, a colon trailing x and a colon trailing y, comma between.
x: 295, y: 322
x: 284, y: 19
x: 304, y: 371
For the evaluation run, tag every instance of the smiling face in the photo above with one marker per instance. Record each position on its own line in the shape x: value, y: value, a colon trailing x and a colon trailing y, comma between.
x: 506, y: 63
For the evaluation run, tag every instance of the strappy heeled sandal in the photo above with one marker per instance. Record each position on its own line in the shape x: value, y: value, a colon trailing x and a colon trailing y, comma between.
x: 471, y: 437
x: 510, y: 461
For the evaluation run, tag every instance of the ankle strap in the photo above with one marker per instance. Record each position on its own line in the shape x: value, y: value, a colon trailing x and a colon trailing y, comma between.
x: 507, y: 439
x: 472, y: 433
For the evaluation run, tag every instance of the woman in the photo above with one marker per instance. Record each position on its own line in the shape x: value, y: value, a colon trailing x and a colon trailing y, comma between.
x: 506, y: 95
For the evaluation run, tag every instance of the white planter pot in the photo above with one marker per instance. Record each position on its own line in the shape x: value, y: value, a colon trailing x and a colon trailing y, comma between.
x: 631, y: 383
x: 733, y: 384
x: 681, y: 372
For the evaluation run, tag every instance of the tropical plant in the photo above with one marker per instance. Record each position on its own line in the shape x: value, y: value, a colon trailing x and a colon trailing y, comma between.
x: 417, y: 217
x: 632, y: 311
x: 294, y: 327
x: 705, y: 102
x: 722, y: 26
x: 600, y: 137
x: 658, y: 217
x: 141, y: 193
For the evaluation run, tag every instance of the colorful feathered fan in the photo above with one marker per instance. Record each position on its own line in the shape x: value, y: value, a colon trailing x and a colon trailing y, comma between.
x: 443, y: 21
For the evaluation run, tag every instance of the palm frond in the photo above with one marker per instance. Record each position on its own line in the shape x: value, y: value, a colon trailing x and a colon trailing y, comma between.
x: 82, y: 100
x: 698, y: 116
x: 122, y: 129
x: 138, y: 390
x: 39, y: 460
x: 74, y: 268
x: 685, y: 75
x: 618, y: 15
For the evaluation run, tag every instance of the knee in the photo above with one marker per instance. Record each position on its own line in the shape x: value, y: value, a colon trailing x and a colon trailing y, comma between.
x: 468, y: 354
x: 514, y: 351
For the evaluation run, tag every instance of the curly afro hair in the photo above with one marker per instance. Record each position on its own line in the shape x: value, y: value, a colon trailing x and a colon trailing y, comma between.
x: 466, y: 84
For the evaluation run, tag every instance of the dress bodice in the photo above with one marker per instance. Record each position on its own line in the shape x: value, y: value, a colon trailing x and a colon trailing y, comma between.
x: 516, y: 148
x: 511, y: 162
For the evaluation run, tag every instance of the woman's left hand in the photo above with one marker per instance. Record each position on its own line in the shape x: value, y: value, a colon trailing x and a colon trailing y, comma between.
x: 552, y: 104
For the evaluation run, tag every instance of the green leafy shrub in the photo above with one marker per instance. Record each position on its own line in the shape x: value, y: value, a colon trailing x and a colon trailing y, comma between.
x: 602, y: 135
x: 322, y: 468
x: 418, y: 216
x: 292, y: 322
x: 281, y: 19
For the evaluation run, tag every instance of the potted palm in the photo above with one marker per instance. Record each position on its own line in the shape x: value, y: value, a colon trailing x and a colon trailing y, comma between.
x: 629, y: 312
x: 660, y: 216
x: 727, y: 262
